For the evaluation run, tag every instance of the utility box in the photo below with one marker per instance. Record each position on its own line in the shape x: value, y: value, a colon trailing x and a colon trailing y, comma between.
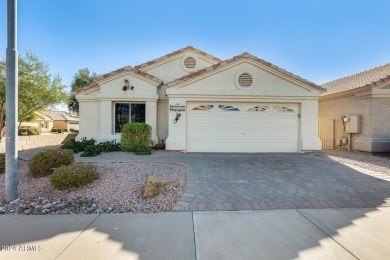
x: 353, y: 125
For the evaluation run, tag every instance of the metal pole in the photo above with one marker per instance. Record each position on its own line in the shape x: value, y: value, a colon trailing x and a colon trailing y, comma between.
x: 11, y: 119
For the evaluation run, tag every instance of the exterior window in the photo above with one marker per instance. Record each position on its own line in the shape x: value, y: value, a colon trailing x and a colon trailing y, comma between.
x: 203, y: 107
x: 45, y: 124
x: 228, y: 108
x: 128, y: 113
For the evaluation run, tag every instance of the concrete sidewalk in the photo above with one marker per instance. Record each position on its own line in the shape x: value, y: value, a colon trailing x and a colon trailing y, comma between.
x: 270, y: 234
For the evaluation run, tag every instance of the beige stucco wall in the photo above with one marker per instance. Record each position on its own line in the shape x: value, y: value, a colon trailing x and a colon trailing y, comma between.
x: 60, y: 124
x: 162, y: 120
x: 267, y: 87
x: 375, y: 127
x: 89, y: 114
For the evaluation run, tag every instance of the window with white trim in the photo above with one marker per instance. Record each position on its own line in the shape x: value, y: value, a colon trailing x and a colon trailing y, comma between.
x: 128, y: 113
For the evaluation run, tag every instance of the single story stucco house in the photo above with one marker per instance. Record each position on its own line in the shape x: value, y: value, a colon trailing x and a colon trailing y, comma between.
x: 366, y: 95
x: 196, y: 102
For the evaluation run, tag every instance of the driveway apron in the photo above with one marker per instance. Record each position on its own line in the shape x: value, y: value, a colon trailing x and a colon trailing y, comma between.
x: 268, y: 181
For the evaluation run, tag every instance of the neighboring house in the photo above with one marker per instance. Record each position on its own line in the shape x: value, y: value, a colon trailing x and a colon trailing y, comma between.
x: 199, y: 103
x: 365, y: 94
x: 42, y: 121
x: 63, y: 120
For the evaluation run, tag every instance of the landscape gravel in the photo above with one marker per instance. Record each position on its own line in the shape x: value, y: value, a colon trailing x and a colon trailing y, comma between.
x: 119, y: 189
x: 373, y: 162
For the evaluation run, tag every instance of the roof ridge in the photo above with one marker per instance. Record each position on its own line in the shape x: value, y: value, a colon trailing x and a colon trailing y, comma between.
x: 171, y: 54
x: 244, y: 55
x: 114, y: 72
x: 357, y: 73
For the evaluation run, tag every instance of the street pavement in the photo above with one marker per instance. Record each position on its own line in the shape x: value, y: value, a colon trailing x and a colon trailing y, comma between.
x: 359, y: 233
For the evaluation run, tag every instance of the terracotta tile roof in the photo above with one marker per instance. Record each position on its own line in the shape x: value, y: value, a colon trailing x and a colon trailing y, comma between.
x: 176, y: 53
x: 365, y: 78
x: 245, y: 55
x: 115, y: 72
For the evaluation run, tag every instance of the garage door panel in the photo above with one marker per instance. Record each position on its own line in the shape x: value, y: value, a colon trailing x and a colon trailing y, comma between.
x: 243, y: 147
x: 242, y: 131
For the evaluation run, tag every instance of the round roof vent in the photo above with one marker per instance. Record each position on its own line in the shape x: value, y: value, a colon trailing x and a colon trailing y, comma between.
x: 190, y: 63
x: 245, y: 80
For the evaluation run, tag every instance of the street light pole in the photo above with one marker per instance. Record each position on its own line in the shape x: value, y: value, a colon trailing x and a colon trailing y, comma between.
x: 11, y: 119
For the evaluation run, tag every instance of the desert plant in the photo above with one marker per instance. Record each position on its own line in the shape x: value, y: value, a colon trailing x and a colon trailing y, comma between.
x: 54, y: 130
x: 2, y: 163
x: 29, y: 130
x: 109, y: 146
x: 142, y: 151
x: 45, y: 162
x: 78, y: 146
x: 135, y: 135
x: 74, y: 176
x: 72, y: 130
x: 91, y: 151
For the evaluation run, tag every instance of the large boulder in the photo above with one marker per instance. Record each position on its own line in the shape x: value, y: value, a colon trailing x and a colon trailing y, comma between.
x: 155, y: 185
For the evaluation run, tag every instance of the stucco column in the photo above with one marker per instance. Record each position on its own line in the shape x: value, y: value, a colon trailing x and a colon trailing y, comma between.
x: 151, y: 118
x: 309, y: 140
x: 105, y: 119
x: 177, y: 131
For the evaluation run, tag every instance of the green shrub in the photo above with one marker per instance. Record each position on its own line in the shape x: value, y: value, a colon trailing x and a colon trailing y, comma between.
x: 72, y: 130
x: 2, y: 163
x: 135, y: 135
x: 109, y: 146
x: 54, y: 130
x: 142, y: 151
x: 74, y: 176
x: 91, y: 151
x: 45, y: 162
x: 29, y: 130
x: 78, y: 146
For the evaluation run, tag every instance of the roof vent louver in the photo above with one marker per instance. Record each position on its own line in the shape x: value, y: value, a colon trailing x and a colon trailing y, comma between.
x: 245, y: 80
x: 190, y: 63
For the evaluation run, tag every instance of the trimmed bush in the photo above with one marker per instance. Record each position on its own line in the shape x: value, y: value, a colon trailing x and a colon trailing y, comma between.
x: 72, y: 130
x: 74, y: 176
x: 135, y: 135
x: 29, y: 130
x: 91, y: 151
x: 45, y: 162
x: 54, y: 130
x: 78, y: 146
x: 109, y: 146
x: 142, y: 151
x: 2, y: 163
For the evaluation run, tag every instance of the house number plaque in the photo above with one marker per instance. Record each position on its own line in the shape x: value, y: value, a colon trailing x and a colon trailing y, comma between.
x: 177, y: 108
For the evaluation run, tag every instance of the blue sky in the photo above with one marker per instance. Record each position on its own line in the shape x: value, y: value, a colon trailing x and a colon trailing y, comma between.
x: 320, y: 40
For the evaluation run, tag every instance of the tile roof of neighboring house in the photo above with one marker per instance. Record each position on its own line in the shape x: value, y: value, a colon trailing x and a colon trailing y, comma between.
x: 60, y: 116
x: 245, y: 55
x: 115, y: 72
x: 43, y: 117
x: 176, y: 53
x: 365, y: 78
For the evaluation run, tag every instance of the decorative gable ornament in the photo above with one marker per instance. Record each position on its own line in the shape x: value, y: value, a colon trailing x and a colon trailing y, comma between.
x: 127, y: 86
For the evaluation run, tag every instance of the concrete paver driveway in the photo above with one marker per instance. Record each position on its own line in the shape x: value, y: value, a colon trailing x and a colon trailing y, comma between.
x: 268, y: 181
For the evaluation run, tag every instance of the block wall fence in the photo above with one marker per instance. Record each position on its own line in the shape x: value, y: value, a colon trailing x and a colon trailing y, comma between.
x: 34, y: 141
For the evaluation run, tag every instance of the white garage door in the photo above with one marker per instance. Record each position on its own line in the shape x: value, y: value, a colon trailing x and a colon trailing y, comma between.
x: 216, y: 127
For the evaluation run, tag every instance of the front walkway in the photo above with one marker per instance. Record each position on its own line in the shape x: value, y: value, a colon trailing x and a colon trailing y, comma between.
x: 267, y: 181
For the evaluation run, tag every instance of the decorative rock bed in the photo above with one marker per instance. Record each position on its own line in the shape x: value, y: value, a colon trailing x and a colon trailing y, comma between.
x: 118, y: 190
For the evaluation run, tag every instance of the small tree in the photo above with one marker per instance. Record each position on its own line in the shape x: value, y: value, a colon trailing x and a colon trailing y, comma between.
x: 37, y: 88
x: 81, y: 79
